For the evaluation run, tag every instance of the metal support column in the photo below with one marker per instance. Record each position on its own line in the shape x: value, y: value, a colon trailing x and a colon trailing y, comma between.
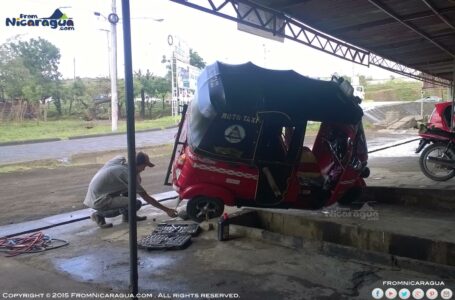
x: 129, y: 93
x: 452, y: 92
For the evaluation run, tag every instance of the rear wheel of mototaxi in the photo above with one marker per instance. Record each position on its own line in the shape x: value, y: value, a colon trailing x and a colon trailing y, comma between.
x: 433, y: 170
x: 202, y: 208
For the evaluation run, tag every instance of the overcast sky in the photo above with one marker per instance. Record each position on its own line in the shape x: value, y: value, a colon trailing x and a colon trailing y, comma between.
x: 212, y: 37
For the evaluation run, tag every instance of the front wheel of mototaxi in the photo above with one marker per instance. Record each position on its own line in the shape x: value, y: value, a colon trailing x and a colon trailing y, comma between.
x: 352, y: 197
x: 202, y: 208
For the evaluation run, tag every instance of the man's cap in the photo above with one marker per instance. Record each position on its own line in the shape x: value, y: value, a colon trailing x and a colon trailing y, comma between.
x: 143, y: 159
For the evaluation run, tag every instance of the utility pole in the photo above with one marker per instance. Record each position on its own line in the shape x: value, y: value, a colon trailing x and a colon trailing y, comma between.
x: 74, y: 82
x: 113, y: 19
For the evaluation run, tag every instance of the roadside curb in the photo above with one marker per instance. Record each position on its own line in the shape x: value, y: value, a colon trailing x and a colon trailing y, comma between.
x: 75, y: 158
x: 80, y: 137
x: 29, y: 142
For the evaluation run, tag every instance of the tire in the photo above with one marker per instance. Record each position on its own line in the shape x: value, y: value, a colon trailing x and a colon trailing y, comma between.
x: 201, y: 208
x: 365, y: 172
x: 351, y: 196
x: 319, y: 199
x: 430, y: 169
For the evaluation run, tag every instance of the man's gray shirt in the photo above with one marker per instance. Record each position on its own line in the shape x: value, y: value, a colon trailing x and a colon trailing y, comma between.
x: 111, y: 180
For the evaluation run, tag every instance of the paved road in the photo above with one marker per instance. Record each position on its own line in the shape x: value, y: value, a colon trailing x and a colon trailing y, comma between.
x: 67, y: 148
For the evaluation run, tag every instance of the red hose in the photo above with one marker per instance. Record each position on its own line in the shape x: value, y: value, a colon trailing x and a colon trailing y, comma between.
x: 24, y: 244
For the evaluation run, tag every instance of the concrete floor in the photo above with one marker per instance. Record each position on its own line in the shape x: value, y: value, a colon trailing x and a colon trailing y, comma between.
x: 97, y: 260
x: 244, y: 267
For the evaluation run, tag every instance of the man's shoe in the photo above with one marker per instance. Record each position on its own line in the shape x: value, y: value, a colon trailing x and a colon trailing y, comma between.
x: 100, y: 221
x: 141, y: 218
x: 138, y: 218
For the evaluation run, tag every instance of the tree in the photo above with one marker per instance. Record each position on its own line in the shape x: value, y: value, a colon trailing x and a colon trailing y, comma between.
x: 17, y: 84
x: 145, y: 86
x: 29, y: 71
x: 122, y: 96
x: 196, y: 60
x: 14, y: 78
x: 77, y: 91
x: 162, y: 88
x: 41, y: 58
x: 153, y: 86
x: 166, y: 61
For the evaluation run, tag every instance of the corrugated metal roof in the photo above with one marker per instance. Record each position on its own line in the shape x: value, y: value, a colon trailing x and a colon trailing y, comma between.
x: 415, y: 33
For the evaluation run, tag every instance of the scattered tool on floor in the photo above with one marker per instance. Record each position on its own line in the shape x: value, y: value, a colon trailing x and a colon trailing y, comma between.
x: 169, y: 236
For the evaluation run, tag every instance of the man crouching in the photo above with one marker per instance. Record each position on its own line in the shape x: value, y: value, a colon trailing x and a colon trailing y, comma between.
x: 108, y: 191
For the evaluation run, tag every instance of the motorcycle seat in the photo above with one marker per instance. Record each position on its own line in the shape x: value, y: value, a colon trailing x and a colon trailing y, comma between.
x: 309, y: 172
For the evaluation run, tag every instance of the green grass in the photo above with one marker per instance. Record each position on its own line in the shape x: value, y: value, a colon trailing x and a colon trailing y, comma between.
x: 394, y: 90
x: 45, y: 164
x: 82, y: 159
x: 33, y: 130
x: 312, y: 128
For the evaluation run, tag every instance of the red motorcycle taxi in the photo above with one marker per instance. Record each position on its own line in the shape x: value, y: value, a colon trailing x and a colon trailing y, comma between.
x: 241, y: 142
x: 437, y: 160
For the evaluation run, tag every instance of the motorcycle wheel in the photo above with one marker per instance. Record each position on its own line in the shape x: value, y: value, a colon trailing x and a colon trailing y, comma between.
x: 435, y: 171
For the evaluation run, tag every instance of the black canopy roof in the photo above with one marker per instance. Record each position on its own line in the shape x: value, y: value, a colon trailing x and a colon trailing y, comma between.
x: 248, y: 89
x: 419, y: 34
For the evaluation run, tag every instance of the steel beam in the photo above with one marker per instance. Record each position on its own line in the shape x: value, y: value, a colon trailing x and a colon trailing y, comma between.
x: 405, y: 18
x: 430, y: 62
x: 400, y: 54
x: 304, y: 34
x: 389, y: 12
x: 284, y: 5
x: 437, y: 13
x: 406, y: 71
x: 434, y: 36
x: 287, y: 27
x: 395, y: 45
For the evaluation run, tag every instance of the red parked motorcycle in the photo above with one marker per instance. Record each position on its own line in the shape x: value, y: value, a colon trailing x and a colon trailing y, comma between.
x: 241, y: 142
x: 437, y: 160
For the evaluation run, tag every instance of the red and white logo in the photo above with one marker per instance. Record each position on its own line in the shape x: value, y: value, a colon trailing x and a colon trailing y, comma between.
x: 432, y: 294
x: 418, y: 294
x: 391, y: 293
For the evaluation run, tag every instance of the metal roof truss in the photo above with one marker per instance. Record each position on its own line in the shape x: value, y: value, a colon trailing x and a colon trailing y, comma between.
x: 279, y: 24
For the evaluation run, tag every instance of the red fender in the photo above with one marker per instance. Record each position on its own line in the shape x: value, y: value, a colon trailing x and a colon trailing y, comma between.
x: 208, y: 190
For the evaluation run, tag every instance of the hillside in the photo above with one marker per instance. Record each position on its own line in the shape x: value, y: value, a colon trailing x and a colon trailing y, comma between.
x: 400, y: 90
